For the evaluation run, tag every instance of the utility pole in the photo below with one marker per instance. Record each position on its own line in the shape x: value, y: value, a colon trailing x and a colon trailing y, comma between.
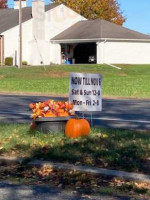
x: 20, y: 34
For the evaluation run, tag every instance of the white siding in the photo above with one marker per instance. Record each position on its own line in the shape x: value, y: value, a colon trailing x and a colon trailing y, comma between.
x: 12, y: 40
x: 37, y: 49
x: 100, y: 52
x: 126, y: 52
x: 55, y: 54
x: 39, y: 52
x: 59, y: 19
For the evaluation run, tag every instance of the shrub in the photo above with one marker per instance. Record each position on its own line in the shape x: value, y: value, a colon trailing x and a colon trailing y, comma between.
x: 24, y: 63
x: 9, y: 61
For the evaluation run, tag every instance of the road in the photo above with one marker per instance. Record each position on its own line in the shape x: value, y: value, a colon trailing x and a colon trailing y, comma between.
x: 9, y: 191
x: 116, y: 113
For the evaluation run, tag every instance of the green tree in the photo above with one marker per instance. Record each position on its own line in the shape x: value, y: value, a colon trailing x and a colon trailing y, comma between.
x: 93, y: 9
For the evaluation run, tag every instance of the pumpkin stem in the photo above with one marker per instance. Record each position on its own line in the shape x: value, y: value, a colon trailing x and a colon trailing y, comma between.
x: 75, y: 116
x: 83, y: 115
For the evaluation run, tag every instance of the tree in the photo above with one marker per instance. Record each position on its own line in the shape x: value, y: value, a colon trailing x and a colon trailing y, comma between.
x: 93, y: 9
x: 3, y: 3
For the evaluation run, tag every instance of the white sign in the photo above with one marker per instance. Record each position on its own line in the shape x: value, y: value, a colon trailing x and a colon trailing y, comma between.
x: 85, y: 91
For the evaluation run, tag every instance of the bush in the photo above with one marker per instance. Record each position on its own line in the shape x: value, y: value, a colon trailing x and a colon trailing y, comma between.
x: 9, y: 61
x: 24, y: 63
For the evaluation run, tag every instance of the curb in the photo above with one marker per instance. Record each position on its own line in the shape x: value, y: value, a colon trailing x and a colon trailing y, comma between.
x: 10, y: 160
x: 93, y: 170
x: 81, y: 168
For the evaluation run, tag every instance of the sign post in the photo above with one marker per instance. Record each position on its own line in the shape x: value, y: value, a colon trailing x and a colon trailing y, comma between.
x: 85, y: 92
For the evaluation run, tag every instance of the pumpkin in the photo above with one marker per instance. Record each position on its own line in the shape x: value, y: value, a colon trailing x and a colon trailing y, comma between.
x: 77, y: 128
x: 32, y: 105
x: 49, y: 114
x: 60, y: 111
x: 63, y: 114
x: 42, y: 105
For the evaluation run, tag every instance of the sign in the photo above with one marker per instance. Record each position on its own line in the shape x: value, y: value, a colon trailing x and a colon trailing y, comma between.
x: 85, y: 91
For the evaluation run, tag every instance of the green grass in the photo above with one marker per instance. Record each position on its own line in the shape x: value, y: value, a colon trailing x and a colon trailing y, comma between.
x: 130, y: 81
x: 114, y: 149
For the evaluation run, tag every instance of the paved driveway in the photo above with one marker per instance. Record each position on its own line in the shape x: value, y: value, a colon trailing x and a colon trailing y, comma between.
x: 10, y: 191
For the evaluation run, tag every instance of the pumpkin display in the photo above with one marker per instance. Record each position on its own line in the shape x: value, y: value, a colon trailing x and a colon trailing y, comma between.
x: 50, y: 108
x: 77, y: 128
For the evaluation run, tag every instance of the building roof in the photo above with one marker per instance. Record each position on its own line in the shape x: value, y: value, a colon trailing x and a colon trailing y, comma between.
x: 9, y: 17
x: 97, y: 29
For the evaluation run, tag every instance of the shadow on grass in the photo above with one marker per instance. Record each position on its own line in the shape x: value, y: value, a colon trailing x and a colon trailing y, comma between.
x: 113, y: 149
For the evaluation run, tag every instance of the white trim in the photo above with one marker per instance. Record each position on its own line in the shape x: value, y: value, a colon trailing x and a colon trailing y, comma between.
x: 97, y: 39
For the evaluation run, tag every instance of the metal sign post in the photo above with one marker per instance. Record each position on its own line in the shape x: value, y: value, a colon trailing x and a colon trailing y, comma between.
x: 91, y: 119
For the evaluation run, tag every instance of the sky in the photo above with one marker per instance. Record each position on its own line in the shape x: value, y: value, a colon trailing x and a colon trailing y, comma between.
x: 137, y: 13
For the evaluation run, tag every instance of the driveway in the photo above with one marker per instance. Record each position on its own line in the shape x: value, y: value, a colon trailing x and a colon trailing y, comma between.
x: 9, y: 191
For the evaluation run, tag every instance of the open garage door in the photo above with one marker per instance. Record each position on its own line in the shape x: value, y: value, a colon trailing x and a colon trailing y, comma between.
x: 85, y: 53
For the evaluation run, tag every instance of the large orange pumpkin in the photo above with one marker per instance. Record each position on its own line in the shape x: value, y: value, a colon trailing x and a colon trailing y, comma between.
x: 77, y: 128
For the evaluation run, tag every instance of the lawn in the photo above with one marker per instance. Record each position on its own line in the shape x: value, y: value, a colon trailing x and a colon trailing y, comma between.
x: 108, y: 148
x: 130, y: 81
x: 112, y: 149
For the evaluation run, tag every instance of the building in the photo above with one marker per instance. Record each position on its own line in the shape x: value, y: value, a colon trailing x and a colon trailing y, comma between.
x: 56, y: 34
